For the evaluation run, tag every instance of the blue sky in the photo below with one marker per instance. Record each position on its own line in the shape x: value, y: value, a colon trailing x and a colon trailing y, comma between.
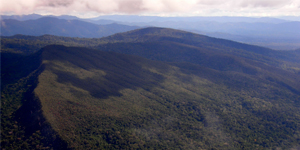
x: 93, y: 8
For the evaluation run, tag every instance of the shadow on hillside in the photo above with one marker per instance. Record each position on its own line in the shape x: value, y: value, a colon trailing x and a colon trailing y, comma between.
x: 17, y: 66
x: 112, y: 83
x: 122, y: 71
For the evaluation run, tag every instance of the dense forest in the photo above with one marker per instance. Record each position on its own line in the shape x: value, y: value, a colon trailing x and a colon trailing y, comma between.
x: 151, y: 88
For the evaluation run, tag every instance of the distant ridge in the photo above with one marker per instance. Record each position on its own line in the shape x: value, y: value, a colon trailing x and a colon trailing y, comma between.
x: 135, y: 18
x: 21, y: 17
x: 60, y: 27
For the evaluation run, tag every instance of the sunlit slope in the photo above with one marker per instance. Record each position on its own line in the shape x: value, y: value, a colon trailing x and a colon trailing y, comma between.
x: 106, y: 100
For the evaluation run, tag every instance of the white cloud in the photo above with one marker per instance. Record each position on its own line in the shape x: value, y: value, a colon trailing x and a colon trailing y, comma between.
x: 180, y: 7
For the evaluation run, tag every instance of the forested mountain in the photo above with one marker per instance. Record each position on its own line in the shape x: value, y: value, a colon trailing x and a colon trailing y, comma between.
x: 60, y: 27
x: 169, y: 89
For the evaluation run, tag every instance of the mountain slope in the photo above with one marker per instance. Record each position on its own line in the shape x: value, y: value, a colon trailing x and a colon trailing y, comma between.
x: 145, y: 41
x: 60, y: 27
x: 153, y: 34
x: 192, y: 92
x: 186, y: 46
x: 96, y: 99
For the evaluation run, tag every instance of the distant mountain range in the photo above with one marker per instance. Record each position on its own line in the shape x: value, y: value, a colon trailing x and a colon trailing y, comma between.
x: 135, y: 18
x: 60, y: 27
x: 276, y: 33
x: 36, y: 16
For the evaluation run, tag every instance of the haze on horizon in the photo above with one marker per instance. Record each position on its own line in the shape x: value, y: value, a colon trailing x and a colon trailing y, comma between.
x: 93, y: 8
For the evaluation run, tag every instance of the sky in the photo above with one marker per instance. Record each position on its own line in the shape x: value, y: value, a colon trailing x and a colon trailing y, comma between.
x: 93, y: 8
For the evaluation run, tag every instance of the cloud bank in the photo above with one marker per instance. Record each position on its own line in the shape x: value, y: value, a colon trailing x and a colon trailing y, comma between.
x: 155, y: 7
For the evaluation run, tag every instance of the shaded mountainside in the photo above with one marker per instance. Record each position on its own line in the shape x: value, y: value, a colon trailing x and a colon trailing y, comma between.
x: 60, y: 27
x: 96, y: 99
